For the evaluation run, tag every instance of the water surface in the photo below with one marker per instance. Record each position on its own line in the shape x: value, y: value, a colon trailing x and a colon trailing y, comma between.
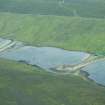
x: 45, y: 57
x: 96, y: 71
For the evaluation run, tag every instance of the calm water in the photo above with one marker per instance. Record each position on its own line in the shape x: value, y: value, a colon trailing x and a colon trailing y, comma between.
x: 45, y: 57
x: 96, y: 71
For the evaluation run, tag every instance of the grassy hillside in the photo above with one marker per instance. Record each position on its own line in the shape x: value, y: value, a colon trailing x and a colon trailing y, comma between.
x: 69, y: 24
x: 21, y: 84
x: 73, y: 33
x: 82, y: 8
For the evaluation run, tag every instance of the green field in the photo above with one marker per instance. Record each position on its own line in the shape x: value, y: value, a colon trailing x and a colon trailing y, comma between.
x: 21, y: 84
x: 74, y: 25
x: 72, y: 33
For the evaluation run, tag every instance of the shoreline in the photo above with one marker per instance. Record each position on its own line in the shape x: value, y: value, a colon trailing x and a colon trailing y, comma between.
x: 62, y: 69
x: 86, y: 75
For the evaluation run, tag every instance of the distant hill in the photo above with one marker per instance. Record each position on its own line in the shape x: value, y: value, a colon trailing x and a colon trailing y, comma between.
x: 82, y: 8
